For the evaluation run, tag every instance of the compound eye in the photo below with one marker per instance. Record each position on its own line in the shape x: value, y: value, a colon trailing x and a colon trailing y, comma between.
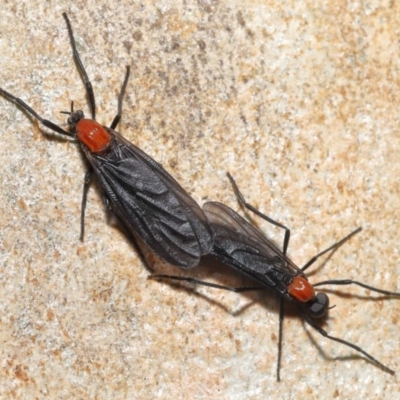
x: 71, y: 121
x: 319, y: 305
x: 74, y: 118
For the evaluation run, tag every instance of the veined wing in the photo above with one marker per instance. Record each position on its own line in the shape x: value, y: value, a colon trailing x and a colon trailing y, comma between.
x: 193, y: 212
x: 148, y: 205
x: 244, y: 244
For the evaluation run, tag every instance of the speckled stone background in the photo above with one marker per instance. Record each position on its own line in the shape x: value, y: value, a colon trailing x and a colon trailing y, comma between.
x: 298, y: 100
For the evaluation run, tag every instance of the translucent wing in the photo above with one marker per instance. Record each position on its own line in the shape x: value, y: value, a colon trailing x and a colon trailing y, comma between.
x: 152, y: 204
x: 238, y: 242
x: 193, y: 212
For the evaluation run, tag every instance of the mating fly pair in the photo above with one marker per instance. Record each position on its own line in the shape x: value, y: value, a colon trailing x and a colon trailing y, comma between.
x: 152, y: 205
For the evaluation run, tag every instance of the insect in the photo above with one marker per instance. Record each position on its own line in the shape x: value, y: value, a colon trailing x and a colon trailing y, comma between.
x: 241, y: 246
x: 147, y: 200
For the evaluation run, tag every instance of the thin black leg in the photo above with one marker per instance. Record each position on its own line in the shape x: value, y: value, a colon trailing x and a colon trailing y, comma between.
x: 117, y: 118
x: 346, y: 343
x: 51, y: 125
x: 260, y: 214
x: 280, y: 338
x: 203, y: 283
x: 351, y: 282
x: 81, y: 69
x: 333, y: 247
x: 285, y: 247
x: 86, y: 184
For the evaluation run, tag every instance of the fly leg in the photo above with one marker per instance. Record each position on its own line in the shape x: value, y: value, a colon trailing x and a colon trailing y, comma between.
x: 351, y: 282
x: 346, y: 343
x: 117, y: 118
x: 331, y: 248
x: 48, y: 124
x: 86, y: 183
x: 286, y: 239
x: 204, y: 283
x: 81, y: 69
x: 88, y: 84
x: 243, y: 202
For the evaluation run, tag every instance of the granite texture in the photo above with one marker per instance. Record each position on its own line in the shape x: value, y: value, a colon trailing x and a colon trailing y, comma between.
x: 299, y: 101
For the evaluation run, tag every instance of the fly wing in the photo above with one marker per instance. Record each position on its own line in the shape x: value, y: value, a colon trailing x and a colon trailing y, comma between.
x: 194, y: 213
x: 238, y: 241
x: 156, y: 208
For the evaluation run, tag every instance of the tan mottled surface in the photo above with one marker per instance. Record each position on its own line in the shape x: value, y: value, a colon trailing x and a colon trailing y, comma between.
x: 299, y: 101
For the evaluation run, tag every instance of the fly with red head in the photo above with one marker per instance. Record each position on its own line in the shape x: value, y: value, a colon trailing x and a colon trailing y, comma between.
x: 241, y: 246
x: 147, y: 200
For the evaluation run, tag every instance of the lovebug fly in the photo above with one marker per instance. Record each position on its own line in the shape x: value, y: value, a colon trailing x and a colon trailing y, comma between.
x: 239, y: 245
x: 147, y: 200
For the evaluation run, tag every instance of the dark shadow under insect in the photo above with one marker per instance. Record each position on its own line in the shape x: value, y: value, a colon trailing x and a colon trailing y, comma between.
x: 241, y: 246
x: 147, y: 200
